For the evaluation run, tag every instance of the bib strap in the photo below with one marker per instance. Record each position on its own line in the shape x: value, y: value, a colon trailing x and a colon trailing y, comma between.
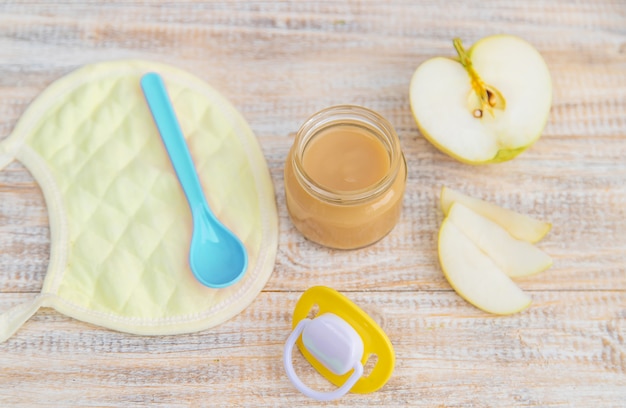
x: 14, y: 318
x: 7, y: 155
x: 5, y: 159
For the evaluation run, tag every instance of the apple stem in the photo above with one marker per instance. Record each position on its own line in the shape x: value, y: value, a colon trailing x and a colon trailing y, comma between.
x: 488, y: 98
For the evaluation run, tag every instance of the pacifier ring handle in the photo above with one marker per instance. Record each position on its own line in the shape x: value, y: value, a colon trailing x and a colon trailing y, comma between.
x: 300, y: 386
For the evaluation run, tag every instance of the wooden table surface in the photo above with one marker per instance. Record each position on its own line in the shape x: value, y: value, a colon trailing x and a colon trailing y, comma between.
x: 279, y: 62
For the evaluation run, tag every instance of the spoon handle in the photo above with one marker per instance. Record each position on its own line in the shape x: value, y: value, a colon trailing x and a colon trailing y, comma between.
x: 165, y: 118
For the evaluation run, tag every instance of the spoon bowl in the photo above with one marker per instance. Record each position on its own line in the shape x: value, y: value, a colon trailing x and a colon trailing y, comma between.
x: 217, y: 257
x: 204, y: 258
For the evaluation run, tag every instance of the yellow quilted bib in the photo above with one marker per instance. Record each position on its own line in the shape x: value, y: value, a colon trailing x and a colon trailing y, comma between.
x: 119, y: 222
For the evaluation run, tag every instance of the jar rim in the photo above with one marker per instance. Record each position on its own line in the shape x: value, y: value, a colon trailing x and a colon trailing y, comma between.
x: 335, y: 115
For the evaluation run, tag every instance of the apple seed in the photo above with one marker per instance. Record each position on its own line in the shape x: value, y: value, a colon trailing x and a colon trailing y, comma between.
x: 491, y: 98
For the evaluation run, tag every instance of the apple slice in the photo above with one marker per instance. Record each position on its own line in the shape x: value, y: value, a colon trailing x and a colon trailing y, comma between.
x: 514, y: 257
x: 488, y: 105
x: 474, y: 276
x: 518, y: 225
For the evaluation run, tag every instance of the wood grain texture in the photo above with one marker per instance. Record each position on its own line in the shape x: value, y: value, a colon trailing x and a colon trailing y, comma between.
x: 279, y: 62
x: 568, y: 344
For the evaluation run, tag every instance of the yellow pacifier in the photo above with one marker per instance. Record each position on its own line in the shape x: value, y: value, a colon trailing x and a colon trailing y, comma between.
x: 337, y: 342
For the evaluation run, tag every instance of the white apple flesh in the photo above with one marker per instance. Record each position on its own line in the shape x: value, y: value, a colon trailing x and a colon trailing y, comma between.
x: 514, y: 257
x: 518, y: 225
x: 487, y: 106
x: 474, y: 276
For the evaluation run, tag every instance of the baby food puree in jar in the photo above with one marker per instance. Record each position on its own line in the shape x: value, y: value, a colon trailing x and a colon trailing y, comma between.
x: 344, y: 177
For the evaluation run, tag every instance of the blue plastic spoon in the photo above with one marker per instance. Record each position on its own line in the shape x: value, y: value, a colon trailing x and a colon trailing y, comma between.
x: 217, y: 257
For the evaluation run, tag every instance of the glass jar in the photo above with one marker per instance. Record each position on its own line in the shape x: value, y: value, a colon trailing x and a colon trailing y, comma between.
x: 325, y: 201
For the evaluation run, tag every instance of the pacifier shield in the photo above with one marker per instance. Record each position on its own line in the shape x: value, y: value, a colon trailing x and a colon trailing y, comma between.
x: 340, y: 337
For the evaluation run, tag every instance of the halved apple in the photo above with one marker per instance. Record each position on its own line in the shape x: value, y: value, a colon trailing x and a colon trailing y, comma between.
x: 488, y: 105
x: 516, y: 258
x: 518, y: 225
x: 474, y: 276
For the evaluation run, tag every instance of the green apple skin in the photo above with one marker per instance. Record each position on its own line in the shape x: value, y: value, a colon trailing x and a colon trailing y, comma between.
x: 443, y: 105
